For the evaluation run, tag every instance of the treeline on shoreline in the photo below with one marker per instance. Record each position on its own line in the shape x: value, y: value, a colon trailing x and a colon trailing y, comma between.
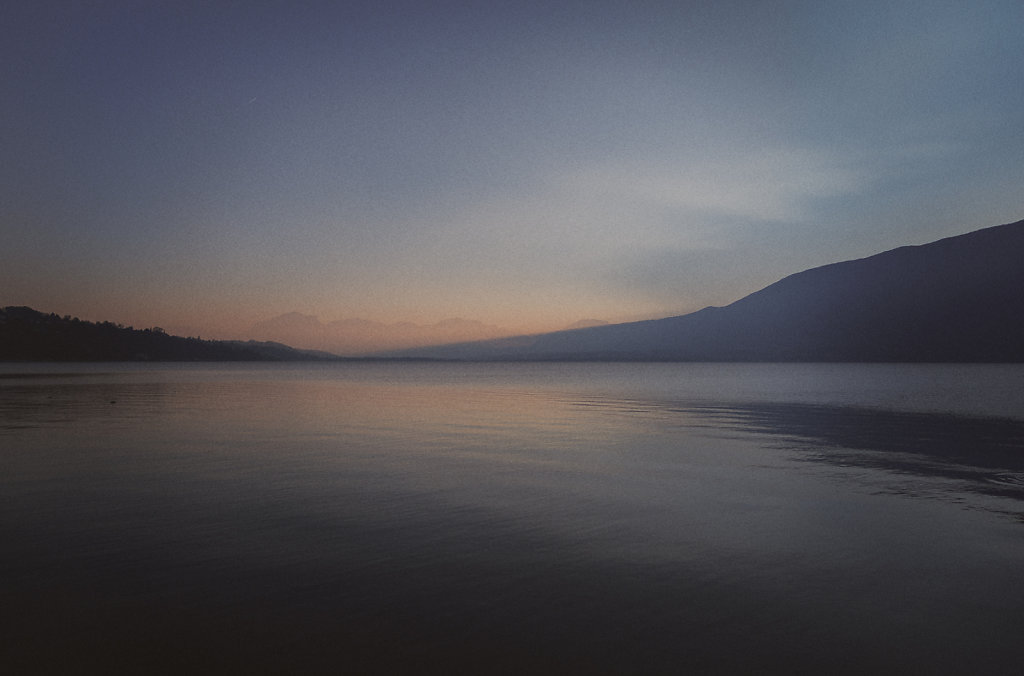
x: 30, y: 335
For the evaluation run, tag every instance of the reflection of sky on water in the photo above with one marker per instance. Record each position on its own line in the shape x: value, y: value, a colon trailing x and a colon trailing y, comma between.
x: 613, y: 520
x: 976, y: 454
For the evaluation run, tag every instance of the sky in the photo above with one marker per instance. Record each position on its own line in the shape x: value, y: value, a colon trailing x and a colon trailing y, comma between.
x: 202, y: 166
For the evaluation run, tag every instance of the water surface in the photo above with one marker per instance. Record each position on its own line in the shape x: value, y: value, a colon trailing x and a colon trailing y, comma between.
x: 590, y: 518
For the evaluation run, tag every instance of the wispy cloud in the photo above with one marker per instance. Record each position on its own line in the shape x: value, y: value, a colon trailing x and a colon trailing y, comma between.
x: 577, y: 212
x: 765, y: 185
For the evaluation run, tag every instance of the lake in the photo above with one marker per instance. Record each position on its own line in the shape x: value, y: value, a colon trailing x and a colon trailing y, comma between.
x: 511, y: 518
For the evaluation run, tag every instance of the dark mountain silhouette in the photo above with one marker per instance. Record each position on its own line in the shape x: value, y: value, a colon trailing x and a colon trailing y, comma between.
x: 28, y: 335
x: 959, y: 299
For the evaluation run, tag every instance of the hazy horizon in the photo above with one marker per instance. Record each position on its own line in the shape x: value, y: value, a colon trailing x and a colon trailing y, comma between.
x: 205, y: 167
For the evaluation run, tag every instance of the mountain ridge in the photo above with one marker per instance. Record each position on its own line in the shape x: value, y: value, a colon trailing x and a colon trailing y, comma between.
x: 959, y: 298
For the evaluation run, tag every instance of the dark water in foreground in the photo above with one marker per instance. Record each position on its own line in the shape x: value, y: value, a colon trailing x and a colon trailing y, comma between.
x: 551, y: 518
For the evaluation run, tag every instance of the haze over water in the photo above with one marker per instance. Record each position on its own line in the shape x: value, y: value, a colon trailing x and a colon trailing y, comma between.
x: 623, y: 518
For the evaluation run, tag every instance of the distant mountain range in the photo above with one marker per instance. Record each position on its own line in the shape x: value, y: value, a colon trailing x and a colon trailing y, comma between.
x: 361, y: 336
x: 29, y: 335
x: 959, y: 299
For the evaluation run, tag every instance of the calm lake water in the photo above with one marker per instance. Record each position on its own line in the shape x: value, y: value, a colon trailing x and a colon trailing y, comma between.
x: 512, y: 518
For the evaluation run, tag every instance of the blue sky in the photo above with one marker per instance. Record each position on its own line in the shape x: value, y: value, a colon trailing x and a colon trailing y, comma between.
x: 206, y: 165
